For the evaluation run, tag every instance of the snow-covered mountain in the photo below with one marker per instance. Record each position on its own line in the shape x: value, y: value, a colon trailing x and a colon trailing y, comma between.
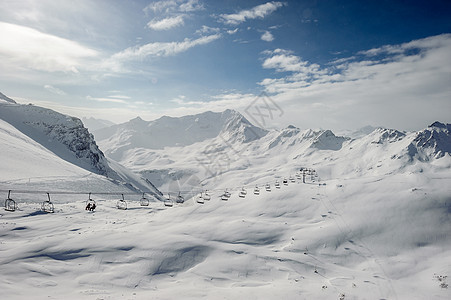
x: 64, y: 136
x: 374, y: 224
x: 95, y: 124
x: 223, y: 144
x: 175, y: 132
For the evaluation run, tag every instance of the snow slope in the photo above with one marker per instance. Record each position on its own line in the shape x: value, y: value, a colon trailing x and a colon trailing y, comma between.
x: 367, y: 238
x: 375, y: 224
x: 45, y: 130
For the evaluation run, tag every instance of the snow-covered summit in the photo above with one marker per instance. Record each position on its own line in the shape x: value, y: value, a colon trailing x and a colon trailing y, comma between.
x: 67, y: 138
x: 327, y: 140
x: 175, y: 132
x: 384, y: 135
x: 96, y: 124
x: 64, y: 135
x: 434, y: 141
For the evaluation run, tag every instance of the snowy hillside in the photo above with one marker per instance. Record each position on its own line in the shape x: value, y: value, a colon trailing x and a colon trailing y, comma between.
x: 63, y: 136
x: 373, y: 221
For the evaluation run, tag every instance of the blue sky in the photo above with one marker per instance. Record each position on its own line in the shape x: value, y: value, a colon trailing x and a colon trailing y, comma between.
x: 329, y: 64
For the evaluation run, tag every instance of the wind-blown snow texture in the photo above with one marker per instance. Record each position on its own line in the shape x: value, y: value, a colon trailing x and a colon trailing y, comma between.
x: 374, y: 225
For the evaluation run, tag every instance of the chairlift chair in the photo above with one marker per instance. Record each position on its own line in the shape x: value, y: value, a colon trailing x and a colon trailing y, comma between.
x: 292, y: 179
x: 121, y: 204
x: 180, y: 199
x: 227, y: 193
x: 224, y: 197
x: 256, y: 190
x: 277, y: 184
x: 206, y: 196
x: 90, y: 204
x: 285, y: 181
x: 47, y: 206
x: 144, y: 201
x: 268, y: 187
x: 243, y: 193
x: 200, y: 199
x: 10, y: 204
x: 168, y: 201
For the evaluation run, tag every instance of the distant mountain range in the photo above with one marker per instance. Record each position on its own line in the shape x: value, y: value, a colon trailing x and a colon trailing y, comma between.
x: 206, y: 145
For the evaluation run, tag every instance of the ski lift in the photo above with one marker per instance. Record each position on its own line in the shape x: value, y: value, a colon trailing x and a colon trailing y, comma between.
x: 206, y: 196
x: 292, y: 179
x: 298, y: 176
x: 256, y: 190
x: 277, y: 184
x: 180, y: 199
x: 268, y: 187
x: 121, y: 204
x: 168, y: 201
x: 90, y: 204
x: 144, y: 201
x: 10, y: 204
x: 225, y: 196
x: 285, y: 181
x: 47, y: 206
x: 200, y: 199
x: 243, y: 193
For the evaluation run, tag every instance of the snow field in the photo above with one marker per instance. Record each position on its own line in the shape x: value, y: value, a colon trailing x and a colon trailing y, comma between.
x: 258, y: 247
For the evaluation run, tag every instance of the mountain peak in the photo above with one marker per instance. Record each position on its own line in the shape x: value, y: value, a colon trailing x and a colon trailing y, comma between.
x: 137, y: 119
x: 438, y: 124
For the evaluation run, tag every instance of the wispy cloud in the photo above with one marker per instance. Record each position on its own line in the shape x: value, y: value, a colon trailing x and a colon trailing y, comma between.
x: 267, y: 36
x: 160, y: 49
x: 191, y: 5
x: 43, y: 52
x: 54, y: 90
x: 259, y: 11
x: 160, y: 6
x: 111, y: 99
x: 207, y: 30
x: 171, y: 13
x: 166, y: 23
x: 284, y: 61
x: 232, y: 31
x: 169, y: 6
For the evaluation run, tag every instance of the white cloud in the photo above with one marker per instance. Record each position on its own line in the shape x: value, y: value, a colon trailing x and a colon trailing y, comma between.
x: 284, y: 61
x: 107, y: 99
x: 406, y: 86
x: 207, y: 30
x: 54, y: 90
x: 160, y: 49
x: 166, y: 23
x: 259, y: 11
x: 168, y: 6
x: 27, y: 48
x: 191, y: 5
x: 232, y: 31
x: 267, y: 36
x: 160, y: 6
